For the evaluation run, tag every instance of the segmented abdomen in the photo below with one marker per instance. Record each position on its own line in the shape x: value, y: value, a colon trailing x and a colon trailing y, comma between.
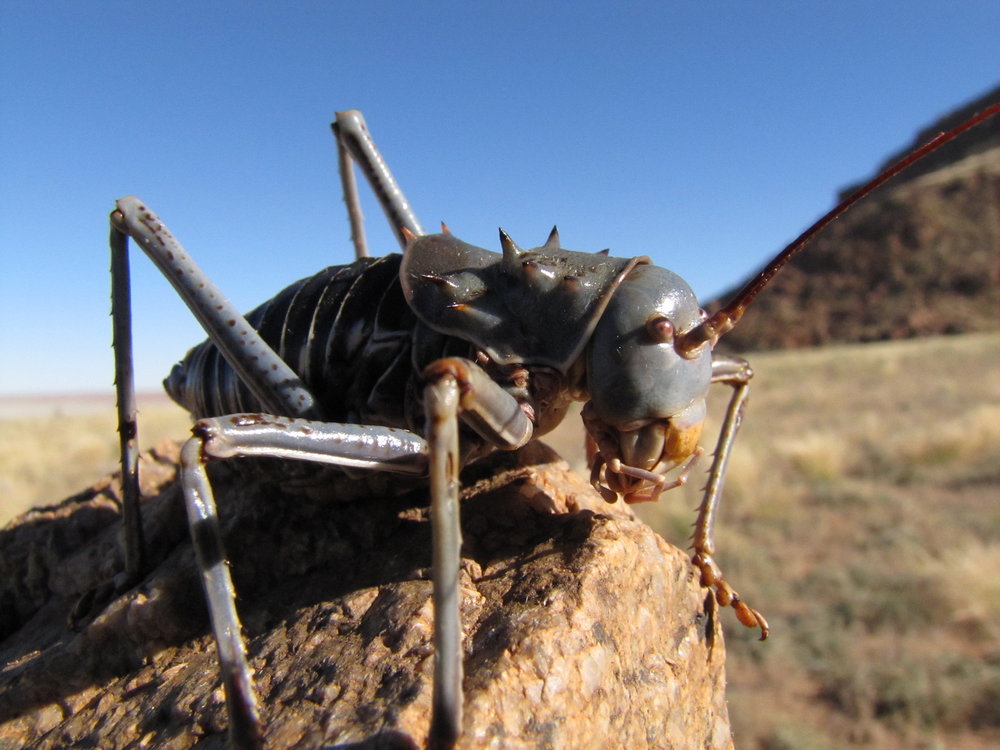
x: 348, y: 334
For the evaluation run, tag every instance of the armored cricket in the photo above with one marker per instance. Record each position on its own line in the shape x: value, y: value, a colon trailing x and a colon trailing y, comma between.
x: 421, y: 362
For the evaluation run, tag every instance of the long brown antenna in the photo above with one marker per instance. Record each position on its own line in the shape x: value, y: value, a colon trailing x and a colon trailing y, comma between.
x: 724, y: 320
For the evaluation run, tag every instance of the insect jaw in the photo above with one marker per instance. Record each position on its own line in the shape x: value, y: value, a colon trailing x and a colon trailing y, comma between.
x: 633, y: 463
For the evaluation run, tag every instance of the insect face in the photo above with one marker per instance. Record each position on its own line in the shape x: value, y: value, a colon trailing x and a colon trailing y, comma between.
x: 647, y: 403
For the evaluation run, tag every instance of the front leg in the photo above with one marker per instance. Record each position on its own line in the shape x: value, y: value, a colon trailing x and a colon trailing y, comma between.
x: 735, y: 372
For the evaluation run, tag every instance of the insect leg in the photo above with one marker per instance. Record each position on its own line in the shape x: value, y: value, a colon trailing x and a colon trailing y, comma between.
x: 345, y: 165
x: 457, y: 387
x: 352, y: 133
x: 121, y: 314
x: 735, y: 372
x: 441, y: 401
x: 353, y: 445
x: 245, y: 732
x: 270, y: 379
x: 379, y: 448
x: 96, y: 598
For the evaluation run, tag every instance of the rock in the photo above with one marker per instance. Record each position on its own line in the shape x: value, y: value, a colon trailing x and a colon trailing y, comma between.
x: 583, y: 628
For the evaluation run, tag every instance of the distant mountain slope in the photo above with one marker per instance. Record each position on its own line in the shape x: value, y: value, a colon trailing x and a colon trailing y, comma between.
x: 919, y: 257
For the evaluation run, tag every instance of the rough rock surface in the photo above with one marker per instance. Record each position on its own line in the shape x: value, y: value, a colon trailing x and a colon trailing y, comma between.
x: 583, y: 628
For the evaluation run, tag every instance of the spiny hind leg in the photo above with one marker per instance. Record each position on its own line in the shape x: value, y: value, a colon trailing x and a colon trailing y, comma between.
x: 270, y: 379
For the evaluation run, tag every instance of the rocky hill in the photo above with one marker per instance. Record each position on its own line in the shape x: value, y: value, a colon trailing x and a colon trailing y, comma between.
x: 919, y: 257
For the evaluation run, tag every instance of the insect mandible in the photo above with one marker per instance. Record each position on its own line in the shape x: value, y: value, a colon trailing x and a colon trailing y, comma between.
x: 422, y: 362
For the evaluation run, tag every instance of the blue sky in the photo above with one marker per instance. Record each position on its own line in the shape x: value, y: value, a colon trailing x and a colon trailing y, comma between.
x: 704, y: 134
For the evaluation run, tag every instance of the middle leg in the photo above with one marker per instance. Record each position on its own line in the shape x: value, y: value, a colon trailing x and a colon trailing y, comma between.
x: 377, y: 448
x: 456, y: 389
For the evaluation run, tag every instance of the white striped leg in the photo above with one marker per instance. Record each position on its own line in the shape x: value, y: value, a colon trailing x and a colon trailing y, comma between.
x: 245, y: 730
x: 379, y: 448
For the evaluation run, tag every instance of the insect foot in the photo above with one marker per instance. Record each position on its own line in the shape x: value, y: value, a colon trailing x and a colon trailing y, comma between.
x: 711, y: 577
x: 579, y: 624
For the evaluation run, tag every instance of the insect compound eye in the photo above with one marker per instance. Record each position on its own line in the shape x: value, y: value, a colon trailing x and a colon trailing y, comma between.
x: 661, y: 330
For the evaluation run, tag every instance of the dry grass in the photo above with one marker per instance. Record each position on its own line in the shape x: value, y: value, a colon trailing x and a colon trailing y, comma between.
x: 862, y: 516
x: 53, y: 448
